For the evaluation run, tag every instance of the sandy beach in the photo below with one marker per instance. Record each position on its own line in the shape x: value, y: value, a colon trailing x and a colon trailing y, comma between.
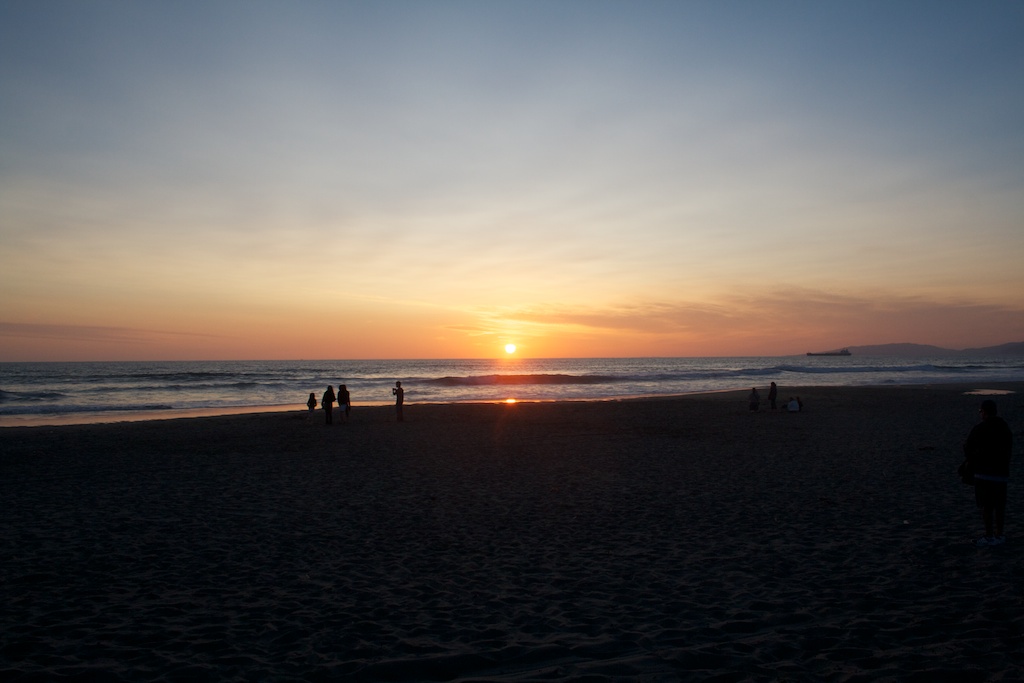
x: 650, y: 540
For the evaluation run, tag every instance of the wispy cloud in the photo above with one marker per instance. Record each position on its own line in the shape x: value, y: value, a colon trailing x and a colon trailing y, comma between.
x: 92, y: 333
x: 795, y: 316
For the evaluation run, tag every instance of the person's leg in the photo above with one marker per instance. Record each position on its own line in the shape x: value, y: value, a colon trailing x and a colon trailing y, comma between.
x: 999, y: 510
x: 983, y: 497
x: 986, y: 516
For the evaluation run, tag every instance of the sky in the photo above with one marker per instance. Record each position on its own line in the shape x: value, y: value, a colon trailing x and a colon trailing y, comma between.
x: 434, y: 179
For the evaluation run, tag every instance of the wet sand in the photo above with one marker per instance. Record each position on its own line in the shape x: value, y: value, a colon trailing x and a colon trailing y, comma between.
x: 654, y: 540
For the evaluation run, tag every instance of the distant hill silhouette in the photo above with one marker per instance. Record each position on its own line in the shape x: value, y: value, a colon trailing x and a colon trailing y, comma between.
x: 928, y: 351
x: 1011, y: 349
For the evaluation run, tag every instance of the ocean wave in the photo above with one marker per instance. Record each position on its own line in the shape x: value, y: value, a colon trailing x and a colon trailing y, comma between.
x: 987, y: 366
x: 702, y: 374
x: 857, y: 369
x: 169, y: 376
x: 29, y: 397
x: 492, y: 380
x: 178, y: 387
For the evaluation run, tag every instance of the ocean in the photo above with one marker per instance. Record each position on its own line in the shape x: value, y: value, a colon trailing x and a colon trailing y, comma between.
x: 94, y: 389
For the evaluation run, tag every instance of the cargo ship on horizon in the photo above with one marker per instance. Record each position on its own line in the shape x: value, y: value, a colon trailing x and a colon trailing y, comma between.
x: 840, y: 352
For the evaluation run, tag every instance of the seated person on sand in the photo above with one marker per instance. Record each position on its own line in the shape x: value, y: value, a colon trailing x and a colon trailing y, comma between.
x: 794, y: 405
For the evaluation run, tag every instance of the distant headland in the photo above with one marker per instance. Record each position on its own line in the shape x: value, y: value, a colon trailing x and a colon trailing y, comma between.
x: 928, y: 351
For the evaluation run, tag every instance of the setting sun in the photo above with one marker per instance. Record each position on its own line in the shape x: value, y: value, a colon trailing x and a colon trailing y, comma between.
x: 510, y: 348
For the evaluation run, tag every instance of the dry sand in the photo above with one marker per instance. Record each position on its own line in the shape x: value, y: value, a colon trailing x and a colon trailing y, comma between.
x: 657, y: 540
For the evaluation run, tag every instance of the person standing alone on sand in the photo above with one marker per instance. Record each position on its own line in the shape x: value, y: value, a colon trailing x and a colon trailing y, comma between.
x: 773, y: 393
x: 755, y: 400
x: 399, y: 394
x: 328, y: 403
x: 988, y: 448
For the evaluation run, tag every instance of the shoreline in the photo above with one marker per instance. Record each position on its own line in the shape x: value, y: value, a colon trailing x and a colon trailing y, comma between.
x: 127, y: 416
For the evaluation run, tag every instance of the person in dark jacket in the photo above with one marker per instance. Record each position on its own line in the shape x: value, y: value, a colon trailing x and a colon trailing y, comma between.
x: 328, y: 404
x: 988, y: 448
x: 344, y: 401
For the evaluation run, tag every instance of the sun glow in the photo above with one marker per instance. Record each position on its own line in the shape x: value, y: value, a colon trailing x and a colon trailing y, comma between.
x: 510, y: 348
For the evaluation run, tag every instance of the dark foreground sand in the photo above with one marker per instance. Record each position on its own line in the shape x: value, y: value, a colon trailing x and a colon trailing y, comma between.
x: 661, y: 540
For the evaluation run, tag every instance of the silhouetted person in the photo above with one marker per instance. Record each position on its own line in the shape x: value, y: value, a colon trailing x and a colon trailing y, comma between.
x: 755, y: 400
x: 311, y: 402
x: 988, y: 447
x: 399, y: 394
x: 344, y: 400
x: 773, y: 393
x: 328, y: 404
x: 794, y: 405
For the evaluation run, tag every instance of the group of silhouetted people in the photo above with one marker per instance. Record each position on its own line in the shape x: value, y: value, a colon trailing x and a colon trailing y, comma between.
x: 344, y: 401
x: 327, y: 401
x: 793, y: 405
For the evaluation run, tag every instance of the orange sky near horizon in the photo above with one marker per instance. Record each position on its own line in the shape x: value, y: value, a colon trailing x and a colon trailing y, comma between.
x: 437, y: 180
x: 771, y: 328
